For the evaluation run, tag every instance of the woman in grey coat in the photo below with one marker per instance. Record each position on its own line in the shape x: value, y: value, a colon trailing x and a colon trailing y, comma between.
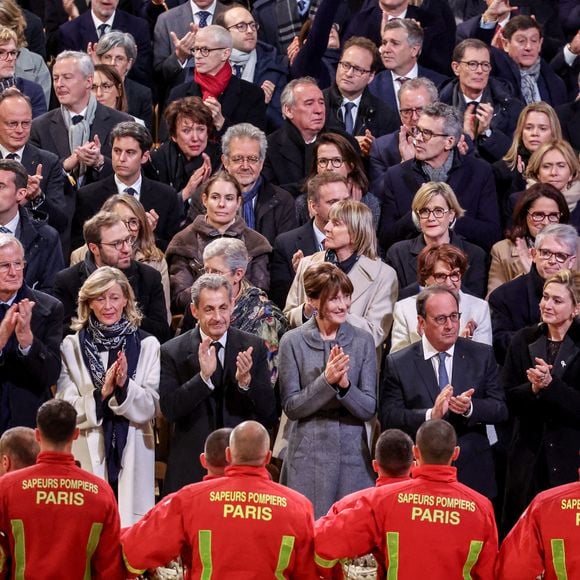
x: 328, y: 387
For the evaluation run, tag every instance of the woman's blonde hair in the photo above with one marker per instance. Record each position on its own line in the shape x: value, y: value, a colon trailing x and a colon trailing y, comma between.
x: 432, y: 188
x: 511, y: 157
x: 563, y: 147
x: 358, y: 219
x: 568, y: 278
x: 145, y: 241
x: 98, y: 283
x: 11, y: 16
x: 7, y: 34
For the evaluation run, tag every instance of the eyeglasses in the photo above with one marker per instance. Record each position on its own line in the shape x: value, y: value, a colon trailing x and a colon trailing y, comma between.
x: 132, y: 224
x: 18, y: 266
x: 105, y: 87
x: 336, y: 162
x: 118, y: 244
x: 243, y: 26
x: 540, y: 216
x: 408, y: 113
x: 15, y: 124
x: 6, y: 54
x: 473, y: 65
x: 426, y: 134
x: 357, y: 70
x: 441, y: 278
x: 204, y: 50
x: 437, y: 212
x: 441, y: 320
x: 560, y: 257
x: 249, y: 159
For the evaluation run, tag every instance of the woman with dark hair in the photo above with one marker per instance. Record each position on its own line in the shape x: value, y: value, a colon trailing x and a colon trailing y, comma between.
x: 328, y: 390
x: 333, y: 152
x: 221, y: 197
x: 108, y: 87
x: 187, y: 158
x: 538, y: 207
x: 110, y: 374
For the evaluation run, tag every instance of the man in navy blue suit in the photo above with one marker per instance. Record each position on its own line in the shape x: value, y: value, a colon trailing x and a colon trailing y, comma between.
x: 402, y: 43
x: 102, y: 18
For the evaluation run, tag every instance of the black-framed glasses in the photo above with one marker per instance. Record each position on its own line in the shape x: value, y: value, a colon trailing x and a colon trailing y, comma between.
x: 6, y: 54
x: 441, y: 320
x: 426, y: 134
x: 560, y: 257
x: 18, y: 266
x: 118, y: 244
x: 357, y: 70
x: 335, y: 162
x: 540, y: 216
x: 243, y: 26
x: 441, y: 278
x: 473, y: 65
x: 204, y: 50
x: 408, y: 113
x: 438, y: 213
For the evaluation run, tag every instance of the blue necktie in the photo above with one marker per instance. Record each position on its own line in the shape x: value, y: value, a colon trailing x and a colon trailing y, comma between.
x: 102, y: 28
x: 442, y: 376
x: 238, y: 70
x: 348, y: 122
x: 4, y: 230
x: 203, y: 18
x: 302, y: 7
x: 130, y: 191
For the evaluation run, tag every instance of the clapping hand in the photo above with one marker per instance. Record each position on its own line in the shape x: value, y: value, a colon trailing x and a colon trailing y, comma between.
x: 244, y: 364
x: 336, y: 371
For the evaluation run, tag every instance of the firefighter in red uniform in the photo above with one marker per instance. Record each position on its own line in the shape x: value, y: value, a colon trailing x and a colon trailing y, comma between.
x: 58, y: 520
x: 546, y: 539
x: 241, y: 526
x: 431, y: 524
x: 213, y: 458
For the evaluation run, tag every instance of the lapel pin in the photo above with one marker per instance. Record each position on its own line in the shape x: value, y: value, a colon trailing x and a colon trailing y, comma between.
x: 563, y: 363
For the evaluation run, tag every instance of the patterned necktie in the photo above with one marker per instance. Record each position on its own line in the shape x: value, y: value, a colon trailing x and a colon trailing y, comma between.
x: 130, y: 191
x: 4, y: 230
x: 76, y: 119
x: 442, y: 376
x: 203, y: 16
x: 348, y: 122
x: 238, y: 70
x: 302, y: 7
x: 102, y: 28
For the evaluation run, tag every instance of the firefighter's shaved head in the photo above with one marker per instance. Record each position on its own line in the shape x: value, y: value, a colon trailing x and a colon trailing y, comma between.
x: 249, y: 445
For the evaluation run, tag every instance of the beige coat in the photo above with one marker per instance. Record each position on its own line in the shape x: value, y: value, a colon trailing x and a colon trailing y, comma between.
x: 375, y: 293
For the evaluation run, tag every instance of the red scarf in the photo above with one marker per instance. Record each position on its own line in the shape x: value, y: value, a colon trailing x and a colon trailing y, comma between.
x: 213, y: 85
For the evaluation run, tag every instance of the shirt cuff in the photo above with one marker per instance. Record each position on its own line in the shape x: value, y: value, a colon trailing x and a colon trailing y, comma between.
x: 569, y: 56
x: 470, y: 412
x: 24, y: 351
x: 246, y: 388
x: 487, y: 25
x: 428, y: 415
x: 209, y: 384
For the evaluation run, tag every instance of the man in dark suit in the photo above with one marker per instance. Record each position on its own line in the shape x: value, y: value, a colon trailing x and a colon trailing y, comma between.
x: 102, y: 18
x: 230, y: 99
x: 401, y: 46
x: 45, y: 189
x: 350, y: 106
x: 569, y: 116
x: 439, y: 31
x: 80, y: 120
x: 211, y: 377
x: 110, y: 244
x: 323, y: 191
x: 435, y: 141
x: 131, y: 143
x: 446, y: 377
x: 516, y: 304
x: 30, y: 336
x: 396, y: 147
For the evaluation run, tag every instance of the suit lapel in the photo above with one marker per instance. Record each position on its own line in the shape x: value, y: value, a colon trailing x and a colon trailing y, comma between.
x: 426, y: 372
x: 60, y: 134
x: 461, y: 370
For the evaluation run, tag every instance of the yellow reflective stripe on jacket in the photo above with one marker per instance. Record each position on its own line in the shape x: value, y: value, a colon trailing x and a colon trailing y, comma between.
x: 286, y: 547
x: 204, y: 538
x: 320, y: 561
x: 393, y: 555
x: 475, y: 547
x: 559, y: 559
x: 137, y: 571
x: 19, y: 549
x: 92, y: 544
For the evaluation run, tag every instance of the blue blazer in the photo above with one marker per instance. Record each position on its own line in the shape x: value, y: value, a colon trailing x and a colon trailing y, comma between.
x: 35, y: 93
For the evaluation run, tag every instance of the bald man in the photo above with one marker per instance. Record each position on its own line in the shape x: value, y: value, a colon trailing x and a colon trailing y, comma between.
x: 18, y: 449
x: 206, y: 523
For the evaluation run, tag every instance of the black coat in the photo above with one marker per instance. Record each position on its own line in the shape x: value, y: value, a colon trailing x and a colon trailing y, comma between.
x: 409, y: 388
x: 195, y: 410
x: 145, y: 281
x: 281, y: 270
x: 139, y: 102
x: 373, y: 114
x: 154, y: 195
x: 546, y: 438
x: 569, y: 116
x: 26, y: 380
x: 513, y: 306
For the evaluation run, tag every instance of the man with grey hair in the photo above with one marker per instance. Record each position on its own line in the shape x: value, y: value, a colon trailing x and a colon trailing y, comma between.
x: 211, y: 377
x: 516, y: 304
x: 291, y: 148
x: 230, y: 99
x: 30, y: 337
x: 435, y: 140
x: 401, y: 44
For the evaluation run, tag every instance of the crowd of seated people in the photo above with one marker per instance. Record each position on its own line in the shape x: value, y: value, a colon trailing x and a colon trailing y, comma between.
x: 332, y: 217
